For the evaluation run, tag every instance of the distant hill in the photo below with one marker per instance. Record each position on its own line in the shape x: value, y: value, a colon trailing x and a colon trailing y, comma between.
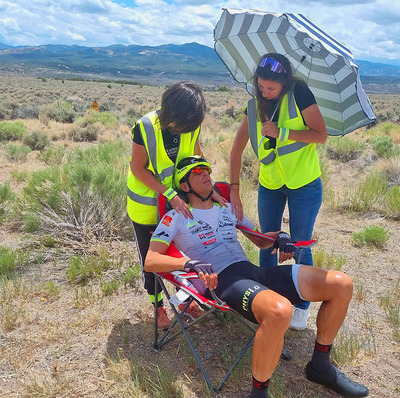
x: 153, y: 65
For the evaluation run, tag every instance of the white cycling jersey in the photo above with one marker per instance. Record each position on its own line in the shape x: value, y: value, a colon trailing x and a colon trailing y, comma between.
x: 211, y: 235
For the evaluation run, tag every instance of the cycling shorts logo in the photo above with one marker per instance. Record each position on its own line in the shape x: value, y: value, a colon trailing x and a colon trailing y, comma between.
x: 246, y: 296
x: 166, y: 220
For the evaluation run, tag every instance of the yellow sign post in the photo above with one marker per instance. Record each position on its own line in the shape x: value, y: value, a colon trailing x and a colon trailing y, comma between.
x: 95, y: 106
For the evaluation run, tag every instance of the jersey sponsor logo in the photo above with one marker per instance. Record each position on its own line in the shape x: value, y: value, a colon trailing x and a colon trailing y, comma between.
x: 166, y: 220
x: 161, y: 234
x: 247, y: 294
x: 206, y: 235
x: 208, y: 242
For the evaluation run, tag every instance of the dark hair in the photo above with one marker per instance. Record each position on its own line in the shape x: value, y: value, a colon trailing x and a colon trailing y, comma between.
x: 182, y: 104
x: 286, y: 78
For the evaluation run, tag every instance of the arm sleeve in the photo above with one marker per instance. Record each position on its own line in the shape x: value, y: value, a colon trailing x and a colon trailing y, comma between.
x: 166, y: 229
x: 303, y: 95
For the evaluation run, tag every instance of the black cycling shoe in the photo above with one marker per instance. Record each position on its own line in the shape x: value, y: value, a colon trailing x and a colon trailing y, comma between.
x: 337, y: 381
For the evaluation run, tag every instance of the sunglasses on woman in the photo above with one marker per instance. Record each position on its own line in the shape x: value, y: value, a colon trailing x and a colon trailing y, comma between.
x: 275, y: 65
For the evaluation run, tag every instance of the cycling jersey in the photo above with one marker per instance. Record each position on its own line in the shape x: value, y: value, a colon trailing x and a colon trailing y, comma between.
x: 210, y: 234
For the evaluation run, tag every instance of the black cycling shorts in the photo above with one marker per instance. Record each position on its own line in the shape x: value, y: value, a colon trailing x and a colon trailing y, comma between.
x: 239, y: 283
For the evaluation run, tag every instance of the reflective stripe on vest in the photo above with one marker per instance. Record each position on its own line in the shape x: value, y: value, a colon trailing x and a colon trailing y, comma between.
x: 141, y: 200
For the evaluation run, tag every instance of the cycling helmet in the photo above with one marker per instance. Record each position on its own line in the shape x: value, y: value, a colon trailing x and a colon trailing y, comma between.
x: 183, y: 168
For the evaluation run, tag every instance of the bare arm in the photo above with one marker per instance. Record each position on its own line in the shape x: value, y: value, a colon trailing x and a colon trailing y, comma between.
x: 240, y: 142
x: 315, y: 134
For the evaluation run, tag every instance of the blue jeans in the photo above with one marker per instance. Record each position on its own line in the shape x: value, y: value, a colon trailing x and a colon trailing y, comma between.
x: 304, y: 204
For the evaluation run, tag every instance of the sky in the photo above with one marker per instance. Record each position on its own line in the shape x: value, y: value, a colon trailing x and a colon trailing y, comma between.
x: 370, y: 28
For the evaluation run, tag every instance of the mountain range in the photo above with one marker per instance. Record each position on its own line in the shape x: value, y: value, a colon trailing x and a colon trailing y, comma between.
x: 145, y: 64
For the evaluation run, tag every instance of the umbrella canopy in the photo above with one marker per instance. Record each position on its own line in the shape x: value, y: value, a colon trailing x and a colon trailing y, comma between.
x: 328, y: 66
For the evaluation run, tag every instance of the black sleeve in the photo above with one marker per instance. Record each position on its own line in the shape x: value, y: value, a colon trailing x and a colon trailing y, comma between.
x: 136, y: 135
x: 303, y: 95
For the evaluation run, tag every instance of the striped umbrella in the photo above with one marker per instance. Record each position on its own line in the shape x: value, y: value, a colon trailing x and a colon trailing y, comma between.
x: 328, y: 66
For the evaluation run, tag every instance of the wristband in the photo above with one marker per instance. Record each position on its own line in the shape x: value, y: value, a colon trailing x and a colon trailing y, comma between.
x: 283, y: 134
x: 234, y: 183
x: 170, y: 193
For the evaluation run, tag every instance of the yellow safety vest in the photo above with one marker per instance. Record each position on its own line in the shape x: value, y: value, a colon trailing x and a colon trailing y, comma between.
x: 290, y: 163
x: 142, y: 201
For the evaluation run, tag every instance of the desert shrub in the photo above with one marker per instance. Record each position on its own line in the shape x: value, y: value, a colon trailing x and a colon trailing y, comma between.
x: 105, y: 118
x: 81, y: 134
x: 52, y: 155
x: 37, y: 140
x: 384, y: 146
x: 369, y: 193
x: 10, y: 260
x: 6, y: 196
x: 223, y: 89
x: 25, y: 112
x: 371, y: 236
x: 60, y: 111
x: 17, y: 153
x: 391, y: 203
x: 343, y: 149
x: 82, y: 199
x: 11, y: 131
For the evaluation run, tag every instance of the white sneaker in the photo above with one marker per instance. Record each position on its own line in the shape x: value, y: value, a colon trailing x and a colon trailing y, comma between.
x: 299, y: 318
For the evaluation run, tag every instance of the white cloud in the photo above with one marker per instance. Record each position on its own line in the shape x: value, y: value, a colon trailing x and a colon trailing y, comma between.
x: 370, y: 28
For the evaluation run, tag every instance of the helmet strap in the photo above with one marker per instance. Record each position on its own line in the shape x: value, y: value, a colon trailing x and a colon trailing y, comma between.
x: 202, y: 198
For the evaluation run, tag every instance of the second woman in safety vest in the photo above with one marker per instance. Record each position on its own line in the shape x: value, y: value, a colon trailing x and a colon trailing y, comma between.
x: 283, y: 123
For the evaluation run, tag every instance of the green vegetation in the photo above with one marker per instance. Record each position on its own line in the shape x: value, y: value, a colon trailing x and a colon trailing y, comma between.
x: 36, y: 140
x: 17, y: 153
x: 371, y: 236
x: 391, y: 304
x: 12, y: 131
x: 344, y: 149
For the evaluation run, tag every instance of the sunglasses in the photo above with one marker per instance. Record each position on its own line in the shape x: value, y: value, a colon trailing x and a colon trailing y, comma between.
x: 275, y: 65
x: 200, y: 169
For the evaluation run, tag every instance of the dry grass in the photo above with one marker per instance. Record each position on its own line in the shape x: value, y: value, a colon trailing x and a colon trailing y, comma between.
x: 63, y: 338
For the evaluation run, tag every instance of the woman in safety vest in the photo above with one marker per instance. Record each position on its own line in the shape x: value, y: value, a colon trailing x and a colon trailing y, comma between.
x: 284, y: 123
x: 161, y: 139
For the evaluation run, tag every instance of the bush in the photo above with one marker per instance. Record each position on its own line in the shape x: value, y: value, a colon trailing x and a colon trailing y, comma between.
x: 369, y: 193
x: 11, y: 131
x: 371, y: 236
x: 6, y: 196
x: 82, y: 199
x: 53, y: 156
x: 384, y: 147
x: 10, y: 260
x: 81, y: 134
x: 105, y: 118
x: 343, y: 149
x: 391, y: 202
x: 36, y: 140
x: 61, y: 111
x: 17, y: 153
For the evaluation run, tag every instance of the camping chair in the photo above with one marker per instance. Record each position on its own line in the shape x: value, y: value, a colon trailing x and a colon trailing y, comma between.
x: 186, y: 291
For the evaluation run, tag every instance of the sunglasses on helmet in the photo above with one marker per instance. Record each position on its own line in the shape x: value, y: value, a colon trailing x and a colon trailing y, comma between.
x: 275, y: 65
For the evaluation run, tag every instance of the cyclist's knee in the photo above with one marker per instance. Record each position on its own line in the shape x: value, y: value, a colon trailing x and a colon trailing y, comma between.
x: 269, y: 307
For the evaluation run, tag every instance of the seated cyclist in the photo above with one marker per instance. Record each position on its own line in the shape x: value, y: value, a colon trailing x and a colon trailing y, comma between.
x: 262, y: 295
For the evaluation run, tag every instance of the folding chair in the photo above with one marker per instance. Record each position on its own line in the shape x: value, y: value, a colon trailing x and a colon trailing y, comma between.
x: 187, y: 291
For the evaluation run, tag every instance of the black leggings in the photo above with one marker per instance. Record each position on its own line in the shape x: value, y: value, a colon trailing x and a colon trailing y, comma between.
x: 142, y: 237
x: 239, y: 283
